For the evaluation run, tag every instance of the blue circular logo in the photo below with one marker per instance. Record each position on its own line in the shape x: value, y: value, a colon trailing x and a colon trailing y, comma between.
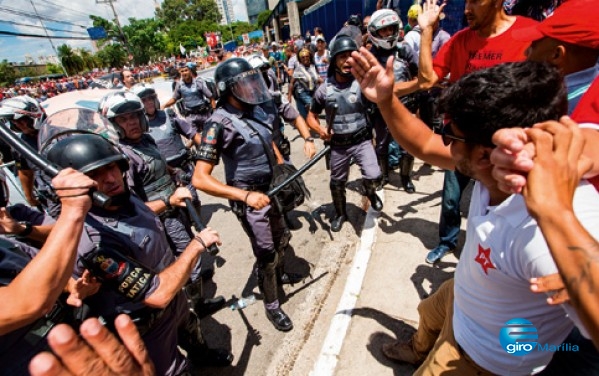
x: 518, y: 337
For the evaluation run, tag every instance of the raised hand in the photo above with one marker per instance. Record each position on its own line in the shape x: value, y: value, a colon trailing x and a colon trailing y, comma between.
x: 375, y: 80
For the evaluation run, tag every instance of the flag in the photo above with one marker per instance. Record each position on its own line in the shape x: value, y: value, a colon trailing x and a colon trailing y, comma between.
x: 182, y: 49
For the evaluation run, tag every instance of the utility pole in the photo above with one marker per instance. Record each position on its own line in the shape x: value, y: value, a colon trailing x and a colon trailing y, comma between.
x: 118, y: 24
x: 50, y: 39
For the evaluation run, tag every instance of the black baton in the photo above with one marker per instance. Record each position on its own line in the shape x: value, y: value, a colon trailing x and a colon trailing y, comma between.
x: 50, y: 169
x: 213, y: 248
x: 301, y: 170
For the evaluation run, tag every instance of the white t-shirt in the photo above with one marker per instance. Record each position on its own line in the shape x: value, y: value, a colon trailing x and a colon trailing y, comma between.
x: 505, y: 248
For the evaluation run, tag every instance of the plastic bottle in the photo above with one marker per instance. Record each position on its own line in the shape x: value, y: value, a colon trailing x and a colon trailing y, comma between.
x: 241, y: 303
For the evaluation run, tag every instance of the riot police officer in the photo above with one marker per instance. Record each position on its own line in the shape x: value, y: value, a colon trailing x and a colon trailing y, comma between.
x: 167, y: 131
x: 349, y: 132
x: 31, y: 302
x: 240, y: 132
x: 196, y: 97
x: 384, y: 31
x: 25, y: 116
x: 284, y: 109
x: 124, y: 245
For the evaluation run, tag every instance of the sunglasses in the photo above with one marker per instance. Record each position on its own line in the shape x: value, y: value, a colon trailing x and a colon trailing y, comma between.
x: 448, y: 137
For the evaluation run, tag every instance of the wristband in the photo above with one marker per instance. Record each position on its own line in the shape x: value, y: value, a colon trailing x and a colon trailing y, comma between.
x: 167, y: 202
x: 28, y: 229
x: 199, y: 239
x: 245, y: 200
x: 309, y: 139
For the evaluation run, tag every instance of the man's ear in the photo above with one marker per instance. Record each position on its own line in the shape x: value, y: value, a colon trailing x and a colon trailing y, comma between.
x: 558, y: 56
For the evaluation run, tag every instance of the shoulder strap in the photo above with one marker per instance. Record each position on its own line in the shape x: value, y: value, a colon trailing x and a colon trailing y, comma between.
x: 267, y: 149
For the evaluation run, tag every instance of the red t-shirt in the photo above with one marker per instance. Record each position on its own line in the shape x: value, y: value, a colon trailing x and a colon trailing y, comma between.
x: 466, y: 52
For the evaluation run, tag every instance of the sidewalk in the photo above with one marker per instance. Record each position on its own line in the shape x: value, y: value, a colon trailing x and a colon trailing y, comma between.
x: 397, y: 277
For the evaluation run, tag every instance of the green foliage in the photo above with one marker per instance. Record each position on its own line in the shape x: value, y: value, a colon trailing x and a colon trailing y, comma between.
x: 174, y: 12
x: 53, y: 68
x: 262, y: 17
x: 71, y: 61
x: 145, y: 40
x: 7, y: 73
x: 112, y: 55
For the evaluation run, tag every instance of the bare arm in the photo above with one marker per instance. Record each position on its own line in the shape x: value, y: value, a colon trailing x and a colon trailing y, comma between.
x: 549, y: 192
x: 427, y: 78
x: 168, y: 103
x: 35, y: 290
x: 204, y: 181
x: 173, y: 278
x: 314, y: 124
x: 411, y: 133
x: 304, y: 131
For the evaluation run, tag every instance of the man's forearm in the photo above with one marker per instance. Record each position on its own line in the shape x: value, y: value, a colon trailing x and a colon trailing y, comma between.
x: 173, y: 278
x: 576, y: 254
x: 44, y: 278
x: 427, y: 78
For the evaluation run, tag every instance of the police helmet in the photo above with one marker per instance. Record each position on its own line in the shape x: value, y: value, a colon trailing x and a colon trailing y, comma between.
x: 342, y: 43
x: 237, y: 77
x: 381, y: 19
x: 86, y: 152
x: 120, y: 103
x: 258, y: 62
x: 143, y: 90
x: 19, y: 107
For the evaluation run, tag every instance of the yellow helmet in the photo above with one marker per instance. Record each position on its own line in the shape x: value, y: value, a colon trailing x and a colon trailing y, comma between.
x: 414, y: 11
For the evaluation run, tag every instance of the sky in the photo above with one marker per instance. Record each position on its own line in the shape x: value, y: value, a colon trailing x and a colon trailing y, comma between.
x: 74, y: 19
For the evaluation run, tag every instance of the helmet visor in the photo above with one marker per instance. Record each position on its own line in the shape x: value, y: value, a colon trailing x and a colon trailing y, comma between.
x: 75, y: 120
x: 249, y: 87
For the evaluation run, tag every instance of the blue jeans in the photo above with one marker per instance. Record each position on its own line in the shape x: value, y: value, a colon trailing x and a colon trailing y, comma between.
x: 454, y: 184
x: 303, y: 100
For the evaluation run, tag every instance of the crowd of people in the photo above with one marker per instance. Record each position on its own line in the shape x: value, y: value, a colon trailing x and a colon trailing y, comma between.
x: 499, y: 102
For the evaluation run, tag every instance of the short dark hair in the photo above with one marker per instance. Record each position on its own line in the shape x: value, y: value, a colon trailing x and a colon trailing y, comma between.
x: 506, y: 95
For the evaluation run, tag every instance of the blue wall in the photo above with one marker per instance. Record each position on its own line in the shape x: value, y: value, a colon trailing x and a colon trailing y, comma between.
x: 331, y: 16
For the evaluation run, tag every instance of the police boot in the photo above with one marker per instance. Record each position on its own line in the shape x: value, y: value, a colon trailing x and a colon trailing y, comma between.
x: 370, y: 186
x: 384, y: 165
x: 279, y: 319
x: 190, y: 338
x: 406, y: 165
x: 339, y: 201
x: 202, y: 307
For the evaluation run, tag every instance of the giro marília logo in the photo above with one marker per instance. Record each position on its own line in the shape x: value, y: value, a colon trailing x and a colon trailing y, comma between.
x: 518, y: 337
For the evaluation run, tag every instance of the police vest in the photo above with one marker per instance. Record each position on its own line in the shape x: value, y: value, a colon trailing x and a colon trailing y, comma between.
x: 169, y: 142
x: 351, y: 109
x: 156, y: 181
x: 134, y: 231
x: 193, y: 98
x: 248, y: 164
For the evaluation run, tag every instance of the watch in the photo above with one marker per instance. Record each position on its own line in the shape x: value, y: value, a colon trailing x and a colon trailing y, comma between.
x: 27, y: 230
x: 309, y: 139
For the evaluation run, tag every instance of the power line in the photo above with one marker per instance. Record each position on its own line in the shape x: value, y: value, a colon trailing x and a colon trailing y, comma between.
x: 28, y: 14
x: 41, y: 27
x: 10, y: 33
x: 62, y: 7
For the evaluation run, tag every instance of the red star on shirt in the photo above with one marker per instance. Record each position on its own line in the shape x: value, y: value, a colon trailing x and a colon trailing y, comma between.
x: 484, y: 259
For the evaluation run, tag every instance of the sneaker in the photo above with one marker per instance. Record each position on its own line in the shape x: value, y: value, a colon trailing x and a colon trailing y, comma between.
x: 402, y: 352
x: 437, y: 254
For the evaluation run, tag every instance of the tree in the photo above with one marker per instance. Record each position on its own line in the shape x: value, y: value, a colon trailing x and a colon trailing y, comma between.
x: 174, y: 12
x: 145, y: 40
x: 112, y: 55
x: 87, y: 58
x: 263, y: 17
x: 53, y: 68
x: 7, y: 73
x: 70, y: 60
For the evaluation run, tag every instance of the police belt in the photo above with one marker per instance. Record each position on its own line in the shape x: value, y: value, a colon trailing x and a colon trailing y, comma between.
x: 351, y: 139
x: 40, y: 328
x: 145, y: 319
x: 198, y: 110
x: 262, y: 187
